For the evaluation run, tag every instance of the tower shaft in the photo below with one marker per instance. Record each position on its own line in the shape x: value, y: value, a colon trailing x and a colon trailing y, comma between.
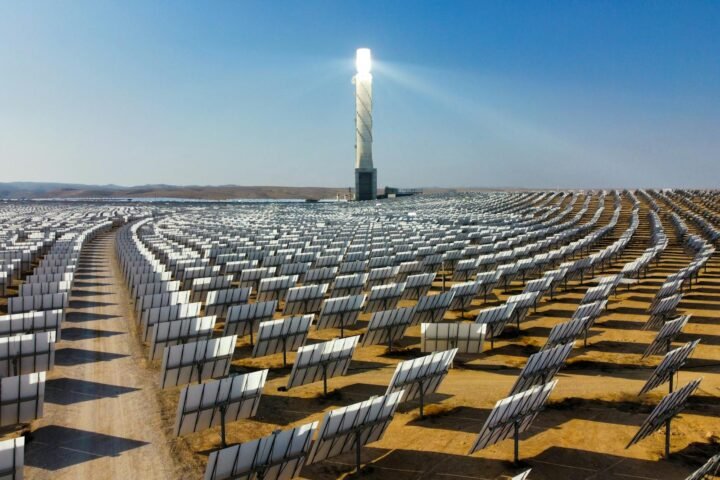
x: 365, y: 173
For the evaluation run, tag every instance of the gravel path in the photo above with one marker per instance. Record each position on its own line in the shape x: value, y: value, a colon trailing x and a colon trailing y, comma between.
x: 102, y: 417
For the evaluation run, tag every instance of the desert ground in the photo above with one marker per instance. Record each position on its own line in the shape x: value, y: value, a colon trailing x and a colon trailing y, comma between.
x: 105, y: 416
x: 196, y: 192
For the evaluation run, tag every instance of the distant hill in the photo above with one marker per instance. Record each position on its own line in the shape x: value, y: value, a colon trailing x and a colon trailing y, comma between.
x: 218, y: 192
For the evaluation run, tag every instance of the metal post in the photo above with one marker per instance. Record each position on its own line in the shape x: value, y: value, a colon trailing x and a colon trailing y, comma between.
x: 442, y: 266
x: 422, y: 400
x: 357, y: 452
x: 516, y: 437
x: 223, y: 411
x: 492, y: 337
x: 672, y: 377
x: 324, y: 368
x: 667, y: 438
x: 389, y: 334
x: 198, y: 367
x: 252, y: 327
x: 284, y: 340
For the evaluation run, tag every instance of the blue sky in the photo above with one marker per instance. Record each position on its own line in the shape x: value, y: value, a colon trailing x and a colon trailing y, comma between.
x: 477, y: 93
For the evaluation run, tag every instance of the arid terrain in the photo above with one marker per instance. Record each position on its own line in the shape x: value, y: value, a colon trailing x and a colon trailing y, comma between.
x: 104, y: 386
x: 190, y: 192
x: 194, y: 192
x: 592, y: 415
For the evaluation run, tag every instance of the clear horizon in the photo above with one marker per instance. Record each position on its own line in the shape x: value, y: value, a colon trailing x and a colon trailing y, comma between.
x: 490, y: 95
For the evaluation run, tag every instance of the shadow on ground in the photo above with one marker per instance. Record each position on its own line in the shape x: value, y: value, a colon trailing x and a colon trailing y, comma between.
x: 54, y: 447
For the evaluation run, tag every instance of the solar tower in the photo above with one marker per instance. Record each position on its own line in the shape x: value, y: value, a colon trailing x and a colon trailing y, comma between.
x: 365, y: 174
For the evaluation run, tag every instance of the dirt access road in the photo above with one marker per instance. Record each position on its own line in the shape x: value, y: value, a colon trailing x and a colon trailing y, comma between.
x: 102, y: 419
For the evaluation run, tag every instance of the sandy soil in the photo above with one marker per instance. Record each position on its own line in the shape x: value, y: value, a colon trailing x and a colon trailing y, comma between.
x: 592, y: 415
x: 102, y: 418
x: 197, y: 192
x: 582, y: 434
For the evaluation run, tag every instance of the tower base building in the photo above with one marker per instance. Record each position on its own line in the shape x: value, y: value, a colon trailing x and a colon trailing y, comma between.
x: 365, y: 183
